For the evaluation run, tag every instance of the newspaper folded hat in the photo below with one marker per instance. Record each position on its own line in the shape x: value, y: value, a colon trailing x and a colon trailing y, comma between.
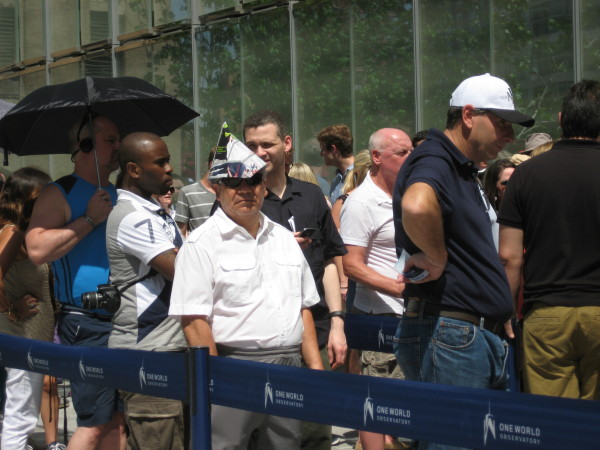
x: 233, y: 159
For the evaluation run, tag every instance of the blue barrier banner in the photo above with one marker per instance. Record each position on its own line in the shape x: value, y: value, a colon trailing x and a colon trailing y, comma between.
x: 367, y: 332
x: 474, y: 418
x: 158, y: 374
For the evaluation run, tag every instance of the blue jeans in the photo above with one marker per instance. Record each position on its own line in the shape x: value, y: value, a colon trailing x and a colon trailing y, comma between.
x: 450, y: 351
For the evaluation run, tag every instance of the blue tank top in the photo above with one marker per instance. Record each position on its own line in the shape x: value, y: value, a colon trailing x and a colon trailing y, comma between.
x: 86, y: 265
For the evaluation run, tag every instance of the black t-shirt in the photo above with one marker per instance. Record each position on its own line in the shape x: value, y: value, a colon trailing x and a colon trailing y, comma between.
x: 306, y: 203
x: 555, y: 199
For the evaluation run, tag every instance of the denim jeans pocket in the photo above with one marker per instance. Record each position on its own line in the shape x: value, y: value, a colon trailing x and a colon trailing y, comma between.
x: 454, y: 335
x: 407, y: 349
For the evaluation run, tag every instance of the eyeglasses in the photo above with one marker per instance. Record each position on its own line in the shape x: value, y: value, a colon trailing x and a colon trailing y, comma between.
x: 254, y: 180
x: 171, y: 190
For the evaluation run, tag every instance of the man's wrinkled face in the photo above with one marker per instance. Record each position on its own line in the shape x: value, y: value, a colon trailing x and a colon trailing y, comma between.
x: 244, y: 200
x: 489, y: 136
x: 107, y: 141
x: 391, y: 156
x: 268, y: 146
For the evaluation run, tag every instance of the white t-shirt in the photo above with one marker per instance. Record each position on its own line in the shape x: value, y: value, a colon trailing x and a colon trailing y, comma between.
x: 367, y: 221
x: 251, y: 290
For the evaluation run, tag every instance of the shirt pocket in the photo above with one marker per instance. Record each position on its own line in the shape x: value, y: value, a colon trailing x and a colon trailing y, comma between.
x: 239, y: 279
x: 288, y: 276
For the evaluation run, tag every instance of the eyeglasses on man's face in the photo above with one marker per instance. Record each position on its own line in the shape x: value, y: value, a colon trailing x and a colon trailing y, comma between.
x: 253, y: 181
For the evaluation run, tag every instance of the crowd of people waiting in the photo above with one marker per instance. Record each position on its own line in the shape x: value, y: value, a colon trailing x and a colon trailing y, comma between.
x: 257, y: 262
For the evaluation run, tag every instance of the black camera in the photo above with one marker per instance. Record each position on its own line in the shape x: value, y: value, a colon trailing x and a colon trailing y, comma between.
x: 106, y: 297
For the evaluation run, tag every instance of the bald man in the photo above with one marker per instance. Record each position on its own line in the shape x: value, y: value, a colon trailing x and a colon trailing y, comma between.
x: 368, y: 232
x: 142, y: 240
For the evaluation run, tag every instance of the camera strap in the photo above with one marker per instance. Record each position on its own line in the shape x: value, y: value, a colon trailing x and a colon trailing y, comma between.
x: 150, y: 273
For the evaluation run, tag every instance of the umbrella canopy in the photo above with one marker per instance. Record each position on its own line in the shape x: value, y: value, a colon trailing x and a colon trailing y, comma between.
x: 39, y: 123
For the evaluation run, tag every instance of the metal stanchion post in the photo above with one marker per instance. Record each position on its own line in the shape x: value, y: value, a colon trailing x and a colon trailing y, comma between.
x: 199, y: 398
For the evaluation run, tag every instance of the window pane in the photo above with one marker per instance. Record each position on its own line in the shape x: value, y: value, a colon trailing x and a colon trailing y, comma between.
x: 239, y: 74
x: 217, y: 5
x: 133, y: 16
x: 64, y: 25
x: 590, y: 12
x: 8, y: 32
x: 169, y: 11
x: 219, y: 84
x: 98, y: 64
x: 533, y: 52
x: 455, y: 44
x: 167, y: 64
x: 32, y: 30
x: 323, y: 68
x: 265, y: 75
x: 383, y: 67
x: 94, y: 21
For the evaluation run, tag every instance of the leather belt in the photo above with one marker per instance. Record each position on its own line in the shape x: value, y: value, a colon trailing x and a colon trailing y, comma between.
x: 414, y: 308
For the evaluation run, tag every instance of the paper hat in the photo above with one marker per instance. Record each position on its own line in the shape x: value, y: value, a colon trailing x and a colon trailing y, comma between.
x: 233, y: 159
x: 492, y: 94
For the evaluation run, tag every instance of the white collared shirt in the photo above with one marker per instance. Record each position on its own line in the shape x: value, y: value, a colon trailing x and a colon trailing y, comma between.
x: 367, y: 221
x: 251, y: 290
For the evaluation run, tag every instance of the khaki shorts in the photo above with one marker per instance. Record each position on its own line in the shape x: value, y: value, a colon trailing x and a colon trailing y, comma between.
x: 378, y: 364
x: 153, y: 422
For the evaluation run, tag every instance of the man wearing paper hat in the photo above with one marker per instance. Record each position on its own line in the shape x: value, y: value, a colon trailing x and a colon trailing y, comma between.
x: 242, y: 287
x: 457, y: 299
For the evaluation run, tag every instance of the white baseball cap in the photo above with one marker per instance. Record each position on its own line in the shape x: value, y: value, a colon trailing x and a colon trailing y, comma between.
x: 492, y: 94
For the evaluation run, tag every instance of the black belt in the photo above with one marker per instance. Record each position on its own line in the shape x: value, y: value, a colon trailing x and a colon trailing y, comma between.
x: 413, y: 309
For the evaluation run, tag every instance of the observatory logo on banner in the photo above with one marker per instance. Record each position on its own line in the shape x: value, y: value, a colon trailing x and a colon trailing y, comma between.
x: 380, y: 412
x: 37, y: 363
x: 281, y: 397
x: 384, y: 339
x: 152, y: 378
x: 88, y: 371
x: 494, y: 429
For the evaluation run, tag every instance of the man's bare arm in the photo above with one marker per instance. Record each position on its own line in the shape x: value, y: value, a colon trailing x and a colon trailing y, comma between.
x: 511, y: 255
x: 183, y: 228
x: 198, y: 333
x: 164, y: 264
x: 49, y: 237
x: 423, y: 223
x: 310, y: 346
x: 336, y: 346
x: 356, y: 268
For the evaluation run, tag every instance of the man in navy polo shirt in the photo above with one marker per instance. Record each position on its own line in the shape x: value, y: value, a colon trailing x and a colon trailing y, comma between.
x: 456, y: 308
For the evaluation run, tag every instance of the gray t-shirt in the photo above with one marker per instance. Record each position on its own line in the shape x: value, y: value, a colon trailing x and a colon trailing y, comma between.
x: 193, y: 205
x: 137, y: 231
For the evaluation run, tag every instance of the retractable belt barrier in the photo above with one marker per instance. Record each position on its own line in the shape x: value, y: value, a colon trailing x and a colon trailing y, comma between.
x: 474, y: 418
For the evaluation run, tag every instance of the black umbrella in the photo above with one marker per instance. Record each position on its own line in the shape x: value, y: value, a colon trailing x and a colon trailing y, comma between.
x: 39, y: 123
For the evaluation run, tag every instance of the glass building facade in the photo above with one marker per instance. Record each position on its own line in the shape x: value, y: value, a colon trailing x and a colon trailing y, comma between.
x: 368, y: 64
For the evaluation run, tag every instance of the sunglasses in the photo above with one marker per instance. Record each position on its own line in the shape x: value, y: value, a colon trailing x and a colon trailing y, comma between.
x: 171, y: 190
x: 504, y: 182
x: 254, y: 180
